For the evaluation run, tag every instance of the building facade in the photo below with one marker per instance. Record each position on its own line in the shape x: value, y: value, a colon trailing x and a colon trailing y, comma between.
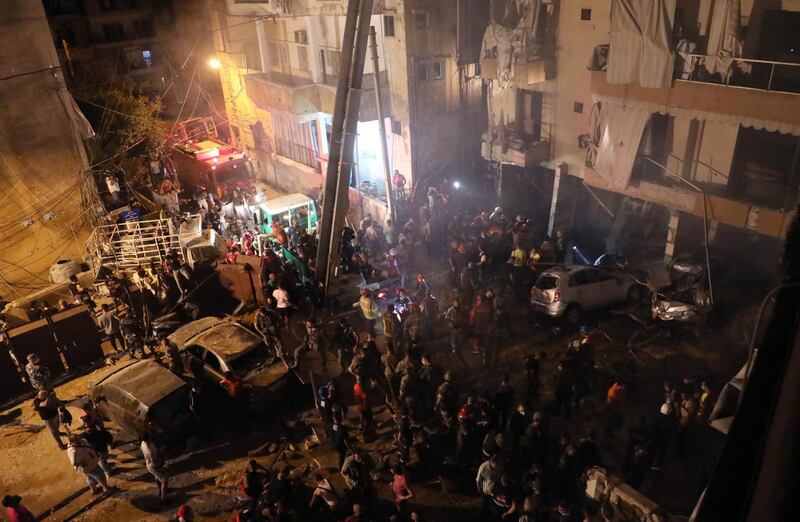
x: 113, y: 37
x: 688, y: 127
x: 279, y: 66
x: 42, y: 135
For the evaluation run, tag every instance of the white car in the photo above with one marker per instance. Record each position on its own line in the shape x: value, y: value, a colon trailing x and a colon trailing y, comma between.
x: 568, y: 291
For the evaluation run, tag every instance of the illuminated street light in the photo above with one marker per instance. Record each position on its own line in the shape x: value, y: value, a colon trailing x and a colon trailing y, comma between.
x: 214, y: 63
x: 457, y: 184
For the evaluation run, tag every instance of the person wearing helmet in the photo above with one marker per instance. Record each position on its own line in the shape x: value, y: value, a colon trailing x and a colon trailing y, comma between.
x: 497, y: 215
x: 369, y: 308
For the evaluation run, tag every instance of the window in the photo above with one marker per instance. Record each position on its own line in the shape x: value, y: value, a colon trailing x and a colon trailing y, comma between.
x: 421, y: 19
x: 577, y: 107
x: 252, y: 56
x: 388, y: 25
x: 213, y: 362
x: 579, y: 279
x: 302, y: 57
x: 301, y: 37
x: 279, y: 52
x: 331, y: 63
x: 147, y: 56
x: 196, y: 351
x: 586, y: 14
x: 296, y: 141
x: 144, y: 28
x: 598, y: 276
x: 397, y: 127
x: 431, y: 70
x: 113, y: 32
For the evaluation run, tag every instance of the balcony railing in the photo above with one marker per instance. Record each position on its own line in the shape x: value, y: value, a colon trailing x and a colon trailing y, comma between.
x: 298, y: 153
x: 740, y: 72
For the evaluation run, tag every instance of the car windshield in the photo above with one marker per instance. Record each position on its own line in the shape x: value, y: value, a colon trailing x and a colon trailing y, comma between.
x: 249, y: 362
x: 547, y: 282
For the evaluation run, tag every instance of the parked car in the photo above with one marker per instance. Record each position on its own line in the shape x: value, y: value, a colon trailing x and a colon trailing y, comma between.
x: 144, y: 396
x: 221, y: 345
x: 568, y: 291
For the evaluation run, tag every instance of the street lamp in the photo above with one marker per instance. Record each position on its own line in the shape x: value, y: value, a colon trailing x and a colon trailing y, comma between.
x: 214, y: 63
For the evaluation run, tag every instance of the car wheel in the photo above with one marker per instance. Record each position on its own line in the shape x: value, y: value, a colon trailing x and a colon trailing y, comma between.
x: 573, y: 314
x: 635, y: 293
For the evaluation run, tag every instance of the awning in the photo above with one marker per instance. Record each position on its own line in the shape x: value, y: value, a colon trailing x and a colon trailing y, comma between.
x: 695, y: 114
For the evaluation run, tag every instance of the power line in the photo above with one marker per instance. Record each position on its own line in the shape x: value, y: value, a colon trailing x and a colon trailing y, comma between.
x: 28, y: 73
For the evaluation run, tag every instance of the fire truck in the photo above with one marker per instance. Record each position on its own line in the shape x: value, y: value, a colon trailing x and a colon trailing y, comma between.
x: 202, y: 159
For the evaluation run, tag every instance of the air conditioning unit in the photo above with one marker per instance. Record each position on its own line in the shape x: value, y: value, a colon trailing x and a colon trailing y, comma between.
x: 301, y: 37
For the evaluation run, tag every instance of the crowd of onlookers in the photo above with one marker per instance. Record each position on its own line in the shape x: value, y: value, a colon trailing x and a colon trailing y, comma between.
x: 408, y: 364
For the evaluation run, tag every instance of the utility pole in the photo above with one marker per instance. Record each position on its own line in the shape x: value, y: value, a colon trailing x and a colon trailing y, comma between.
x: 345, y: 120
x: 387, y: 169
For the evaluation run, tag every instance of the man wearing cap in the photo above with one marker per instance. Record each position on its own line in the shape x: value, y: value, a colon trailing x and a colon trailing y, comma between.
x: 46, y: 405
x: 38, y: 375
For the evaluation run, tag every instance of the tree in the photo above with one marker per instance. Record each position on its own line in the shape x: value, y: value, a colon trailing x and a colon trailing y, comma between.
x: 127, y: 122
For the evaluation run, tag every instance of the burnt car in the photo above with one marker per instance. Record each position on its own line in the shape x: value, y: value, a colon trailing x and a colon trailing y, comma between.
x: 144, y: 396
x: 213, y: 346
x: 685, y: 299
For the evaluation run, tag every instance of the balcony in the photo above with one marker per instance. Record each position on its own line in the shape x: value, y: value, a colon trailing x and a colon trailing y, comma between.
x: 662, y: 187
x: 301, y: 96
x: 272, y: 91
x: 514, y: 150
x: 522, y: 74
x: 767, y: 94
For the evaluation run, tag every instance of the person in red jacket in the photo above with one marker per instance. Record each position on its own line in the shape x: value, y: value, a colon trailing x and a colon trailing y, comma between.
x: 481, y: 319
x: 364, y: 409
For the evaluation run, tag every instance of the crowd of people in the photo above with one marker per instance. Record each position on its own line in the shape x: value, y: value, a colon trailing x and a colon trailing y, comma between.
x: 406, y: 357
x: 526, y: 466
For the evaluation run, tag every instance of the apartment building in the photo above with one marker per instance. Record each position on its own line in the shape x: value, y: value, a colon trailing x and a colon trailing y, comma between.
x: 654, y: 124
x: 113, y: 37
x: 279, y: 66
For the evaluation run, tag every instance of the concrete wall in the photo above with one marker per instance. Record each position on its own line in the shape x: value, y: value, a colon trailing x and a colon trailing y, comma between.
x: 576, y: 40
x: 40, y: 154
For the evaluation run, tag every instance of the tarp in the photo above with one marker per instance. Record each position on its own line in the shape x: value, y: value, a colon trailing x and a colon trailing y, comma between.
x: 641, y: 43
x: 724, y: 42
x: 622, y: 131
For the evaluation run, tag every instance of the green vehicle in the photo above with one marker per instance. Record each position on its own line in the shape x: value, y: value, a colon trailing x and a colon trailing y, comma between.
x: 286, y: 209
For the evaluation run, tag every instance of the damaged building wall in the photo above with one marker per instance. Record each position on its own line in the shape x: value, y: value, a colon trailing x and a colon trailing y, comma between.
x: 577, y: 39
x: 41, y: 152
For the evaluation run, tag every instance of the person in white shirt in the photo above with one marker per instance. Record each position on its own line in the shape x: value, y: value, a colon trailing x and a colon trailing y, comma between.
x: 154, y: 462
x: 84, y: 458
x: 283, y: 302
x: 113, y: 187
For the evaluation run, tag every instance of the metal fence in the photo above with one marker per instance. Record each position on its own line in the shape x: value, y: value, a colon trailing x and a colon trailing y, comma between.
x: 739, y: 72
x: 134, y: 243
x: 298, y: 153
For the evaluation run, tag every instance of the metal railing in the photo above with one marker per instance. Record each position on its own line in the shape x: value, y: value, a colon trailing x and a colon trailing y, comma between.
x: 298, y: 153
x: 739, y: 72
x: 134, y: 243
